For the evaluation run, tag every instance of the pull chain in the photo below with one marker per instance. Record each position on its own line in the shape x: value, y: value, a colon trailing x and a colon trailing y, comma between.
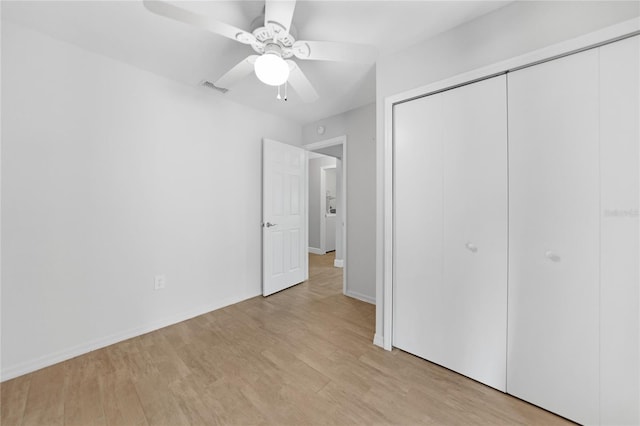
x: 279, y: 97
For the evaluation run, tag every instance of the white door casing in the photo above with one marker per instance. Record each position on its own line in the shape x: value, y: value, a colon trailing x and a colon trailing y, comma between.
x: 284, y: 216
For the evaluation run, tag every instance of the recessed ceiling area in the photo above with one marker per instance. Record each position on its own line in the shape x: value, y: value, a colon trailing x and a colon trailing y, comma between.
x: 128, y: 32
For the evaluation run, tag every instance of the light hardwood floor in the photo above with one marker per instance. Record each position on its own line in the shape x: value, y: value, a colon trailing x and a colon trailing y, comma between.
x: 302, y: 356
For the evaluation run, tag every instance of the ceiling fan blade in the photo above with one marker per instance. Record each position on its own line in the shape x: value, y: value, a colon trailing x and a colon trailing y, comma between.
x: 334, y: 51
x: 279, y: 13
x: 176, y: 13
x: 301, y: 84
x: 237, y: 73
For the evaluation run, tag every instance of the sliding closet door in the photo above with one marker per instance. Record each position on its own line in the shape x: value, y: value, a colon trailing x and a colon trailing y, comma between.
x: 418, y: 223
x: 450, y: 229
x: 472, y: 302
x: 619, y: 322
x: 554, y: 236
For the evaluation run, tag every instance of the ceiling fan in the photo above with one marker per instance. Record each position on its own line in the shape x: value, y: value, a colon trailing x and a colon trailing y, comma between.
x: 272, y: 37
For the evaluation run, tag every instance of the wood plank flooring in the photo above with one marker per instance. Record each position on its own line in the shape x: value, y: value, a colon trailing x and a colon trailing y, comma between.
x: 300, y: 357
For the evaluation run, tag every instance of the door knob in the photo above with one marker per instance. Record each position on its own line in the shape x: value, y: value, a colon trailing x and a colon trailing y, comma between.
x: 471, y: 247
x: 269, y: 224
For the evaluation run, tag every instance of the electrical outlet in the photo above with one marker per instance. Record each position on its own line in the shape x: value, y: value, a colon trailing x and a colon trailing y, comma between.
x: 159, y: 282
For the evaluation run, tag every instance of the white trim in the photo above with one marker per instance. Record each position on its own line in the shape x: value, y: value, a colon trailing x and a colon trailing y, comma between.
x: 306, y: 209
x: 313, y: 155
x: 377, y: 340
x: 385, y: 165
x: 338, y: 263
x: 387, y: 295
x: 361, y: 297
x: 84, y: 348
x: 339, y: 140
x: 314, y: 250
x: 323, y: 219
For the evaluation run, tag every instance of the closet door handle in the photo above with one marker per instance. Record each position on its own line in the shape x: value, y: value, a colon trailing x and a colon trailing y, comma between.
x: 554, y: 257
x: 471, y: 247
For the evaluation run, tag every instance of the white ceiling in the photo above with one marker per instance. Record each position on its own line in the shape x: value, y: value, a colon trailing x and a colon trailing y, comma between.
x: 128, y: 32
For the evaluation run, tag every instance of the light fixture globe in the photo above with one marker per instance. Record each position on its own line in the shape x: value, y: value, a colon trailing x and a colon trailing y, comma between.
x: 271, y: 69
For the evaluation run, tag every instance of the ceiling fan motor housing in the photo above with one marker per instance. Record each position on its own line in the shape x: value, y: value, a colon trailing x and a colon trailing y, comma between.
x: 271, y: 48
x: 270, y: 34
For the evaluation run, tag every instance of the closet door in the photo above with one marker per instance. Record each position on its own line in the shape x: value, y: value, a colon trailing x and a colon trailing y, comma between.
x: 472, y: 302
x: 619, y: 322
x: 450, y: 229
x: 418, y: 222
x: 554, y: 236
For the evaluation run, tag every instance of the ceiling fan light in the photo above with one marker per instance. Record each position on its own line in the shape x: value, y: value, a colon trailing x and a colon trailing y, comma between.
x: 271, y: 69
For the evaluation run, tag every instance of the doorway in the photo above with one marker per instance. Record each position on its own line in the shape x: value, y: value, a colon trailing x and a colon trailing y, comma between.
x: 326, y: 158
x: 329, y: 208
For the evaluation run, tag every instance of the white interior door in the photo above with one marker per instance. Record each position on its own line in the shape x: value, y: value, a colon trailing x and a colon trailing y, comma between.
x: 450, y: 219
x: 284, y: 216
x: 472, y: 298
x: 619, y: 245
x: 553, y: 351
x: 418, y: 223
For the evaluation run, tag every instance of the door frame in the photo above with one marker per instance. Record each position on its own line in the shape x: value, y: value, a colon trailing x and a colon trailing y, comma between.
x: 323, y: 207
x: 385, y: 257
x: 339, y: 140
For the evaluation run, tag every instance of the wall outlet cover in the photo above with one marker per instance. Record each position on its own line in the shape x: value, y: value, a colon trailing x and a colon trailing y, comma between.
x: 159, y: 282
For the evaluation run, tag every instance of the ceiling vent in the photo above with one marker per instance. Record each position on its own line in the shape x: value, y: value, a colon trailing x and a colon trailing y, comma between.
x: 210, y: 85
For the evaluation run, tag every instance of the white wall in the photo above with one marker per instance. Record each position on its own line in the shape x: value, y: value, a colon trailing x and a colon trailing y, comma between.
x: 315, y: 164
x: 359, y: 126
x: 508, y: 32
x: 111, y: 175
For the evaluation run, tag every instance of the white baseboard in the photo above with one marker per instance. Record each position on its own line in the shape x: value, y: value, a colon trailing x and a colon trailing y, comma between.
x: 50, y: 359
x: 314, y: 250
x: 360, y: 296
x: 378, y: 340
x: 338, y: 263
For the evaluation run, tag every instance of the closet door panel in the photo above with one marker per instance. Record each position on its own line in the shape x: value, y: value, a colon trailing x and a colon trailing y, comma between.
x: 553, y: 304
x: 417, y: 222
x: 474, y: 290
x: 620, y: 325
